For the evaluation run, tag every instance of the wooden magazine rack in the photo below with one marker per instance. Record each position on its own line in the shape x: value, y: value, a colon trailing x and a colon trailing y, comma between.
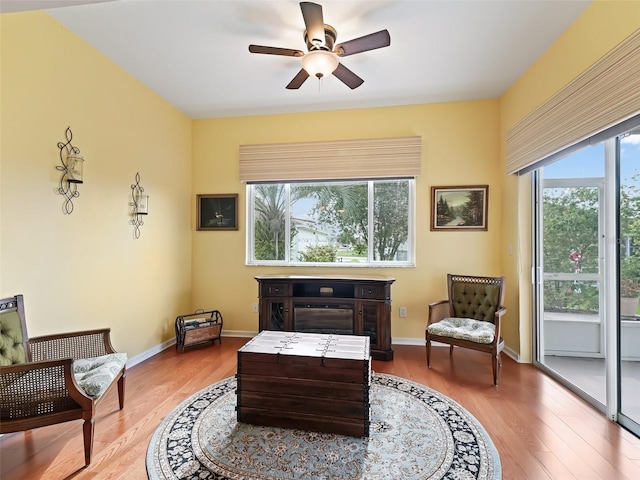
x: 198, y: 327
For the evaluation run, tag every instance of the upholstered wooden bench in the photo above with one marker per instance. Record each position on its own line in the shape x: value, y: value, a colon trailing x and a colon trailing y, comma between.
x: 55, y: 378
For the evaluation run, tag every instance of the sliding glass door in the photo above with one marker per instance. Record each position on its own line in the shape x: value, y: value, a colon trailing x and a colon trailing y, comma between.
x: 571, y: 324
x: 587, y: 238
x: 629, y: 262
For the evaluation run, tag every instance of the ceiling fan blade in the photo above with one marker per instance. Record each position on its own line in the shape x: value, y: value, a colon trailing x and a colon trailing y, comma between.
x: 347, y: 77
x: 287, y: 52
x: 298, y: 80
x: 364, y: 44
x: 313, y: 20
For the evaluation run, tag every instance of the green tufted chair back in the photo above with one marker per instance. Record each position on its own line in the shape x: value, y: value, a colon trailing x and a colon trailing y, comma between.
x: 476, y: 297
x: 13, y: 333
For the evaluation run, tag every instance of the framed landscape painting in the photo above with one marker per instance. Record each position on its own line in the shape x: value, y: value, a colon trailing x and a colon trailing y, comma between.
x: 217, y: 212
x: 459, y: 207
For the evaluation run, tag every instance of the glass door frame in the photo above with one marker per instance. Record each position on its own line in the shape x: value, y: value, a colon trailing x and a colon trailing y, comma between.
x: 609, y: 267
x: 614, y: 408
x: 607, y: 277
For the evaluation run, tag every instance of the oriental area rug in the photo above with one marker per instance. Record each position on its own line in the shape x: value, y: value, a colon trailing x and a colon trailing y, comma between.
x: 415, y: 433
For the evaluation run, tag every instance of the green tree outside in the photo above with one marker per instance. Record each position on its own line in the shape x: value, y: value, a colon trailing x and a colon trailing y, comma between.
x: 570, y: 229
x: 269, y: 222
x: 341, y: 208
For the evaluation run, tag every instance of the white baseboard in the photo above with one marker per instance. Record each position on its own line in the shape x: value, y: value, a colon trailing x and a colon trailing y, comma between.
x: 249, y: 334
x: 239, y: 333
x: 408, y: 341
x: 513, y: 355
x: 141, y: 357
x: 170, y: 343
x: 395, y: 341
x: 420, y: 342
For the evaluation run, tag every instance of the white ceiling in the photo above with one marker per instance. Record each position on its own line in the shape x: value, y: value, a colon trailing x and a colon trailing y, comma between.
x: 194, y: 53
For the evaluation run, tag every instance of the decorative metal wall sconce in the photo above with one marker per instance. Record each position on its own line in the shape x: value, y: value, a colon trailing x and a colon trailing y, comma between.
x: 71, y: 168
x: 140, y: 206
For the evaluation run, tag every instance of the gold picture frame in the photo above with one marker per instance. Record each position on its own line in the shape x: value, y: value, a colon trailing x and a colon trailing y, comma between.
x: 459, y: 208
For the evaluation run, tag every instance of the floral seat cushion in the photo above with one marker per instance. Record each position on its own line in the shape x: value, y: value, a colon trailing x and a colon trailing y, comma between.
x: 464, y: 329
x: 94, y: 375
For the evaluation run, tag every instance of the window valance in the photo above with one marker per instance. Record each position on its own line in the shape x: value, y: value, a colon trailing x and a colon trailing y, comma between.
x: 605, y: 94
x: 331, y: 160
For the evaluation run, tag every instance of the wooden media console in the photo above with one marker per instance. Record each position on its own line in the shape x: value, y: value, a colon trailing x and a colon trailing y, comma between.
x: 343, y: 305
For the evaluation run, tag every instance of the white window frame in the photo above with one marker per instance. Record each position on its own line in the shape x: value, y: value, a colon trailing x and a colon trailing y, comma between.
x: 370, y: 262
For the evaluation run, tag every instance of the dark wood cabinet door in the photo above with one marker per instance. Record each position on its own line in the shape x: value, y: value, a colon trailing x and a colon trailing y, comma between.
x: 370, y: 318
x: 275, y: 314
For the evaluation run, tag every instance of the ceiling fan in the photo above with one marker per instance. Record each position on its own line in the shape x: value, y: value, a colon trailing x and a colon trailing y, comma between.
x: 323, y: 58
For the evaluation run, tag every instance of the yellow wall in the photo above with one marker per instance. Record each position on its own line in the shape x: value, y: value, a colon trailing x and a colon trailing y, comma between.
x: 459, y: 148
x: 85, y: 270
x: 600, y: 28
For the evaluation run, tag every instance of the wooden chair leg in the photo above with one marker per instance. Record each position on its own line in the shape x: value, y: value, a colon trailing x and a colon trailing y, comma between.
x: 494, y: 364
x: 450, y: 350
x: 121, y: 390
x: 87, y: 432
x: 428, y: 353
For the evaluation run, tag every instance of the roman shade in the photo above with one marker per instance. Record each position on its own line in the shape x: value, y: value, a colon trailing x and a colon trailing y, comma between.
x: 605, y: 94
x: 331, y: 160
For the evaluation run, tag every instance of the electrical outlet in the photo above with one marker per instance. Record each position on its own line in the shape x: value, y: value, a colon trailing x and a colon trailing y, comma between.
x: 403, y: 312
x: 254, y: 308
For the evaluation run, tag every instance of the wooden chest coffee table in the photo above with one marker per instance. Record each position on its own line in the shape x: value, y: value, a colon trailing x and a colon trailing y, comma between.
x: 305, y: 381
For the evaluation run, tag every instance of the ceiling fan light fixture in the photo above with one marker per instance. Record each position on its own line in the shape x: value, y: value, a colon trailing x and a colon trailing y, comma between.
x: 320, y: 63
x: 324, y: 56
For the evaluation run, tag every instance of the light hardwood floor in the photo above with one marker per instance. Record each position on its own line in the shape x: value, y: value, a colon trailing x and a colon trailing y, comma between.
x: 541, y: 430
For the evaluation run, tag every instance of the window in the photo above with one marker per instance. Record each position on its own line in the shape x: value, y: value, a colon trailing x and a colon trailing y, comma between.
x: 345, y: 223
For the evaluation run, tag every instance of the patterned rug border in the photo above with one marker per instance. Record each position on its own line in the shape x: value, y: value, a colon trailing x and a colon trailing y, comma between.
x: 195, y: 405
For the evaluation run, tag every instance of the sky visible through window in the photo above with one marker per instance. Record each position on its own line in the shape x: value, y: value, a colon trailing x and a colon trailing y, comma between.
x: 589, y: 162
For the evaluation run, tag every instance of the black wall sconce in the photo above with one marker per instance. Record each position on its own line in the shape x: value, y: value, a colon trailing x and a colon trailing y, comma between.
x: 140, y: 204
x: 71, y: 168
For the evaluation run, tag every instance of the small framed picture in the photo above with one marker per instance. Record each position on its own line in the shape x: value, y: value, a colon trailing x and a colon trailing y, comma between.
x: 217, y: 211
x: 459, y: 208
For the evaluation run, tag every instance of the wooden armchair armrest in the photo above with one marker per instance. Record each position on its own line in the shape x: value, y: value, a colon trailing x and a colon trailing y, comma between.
x: 77, y: 345
x: 33, y: 393
x: 498, y: 316
x: 438, y: 311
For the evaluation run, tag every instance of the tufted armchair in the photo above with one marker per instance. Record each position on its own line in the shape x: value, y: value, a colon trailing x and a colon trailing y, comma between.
x: 469, y: 318
x: 56, y: 378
